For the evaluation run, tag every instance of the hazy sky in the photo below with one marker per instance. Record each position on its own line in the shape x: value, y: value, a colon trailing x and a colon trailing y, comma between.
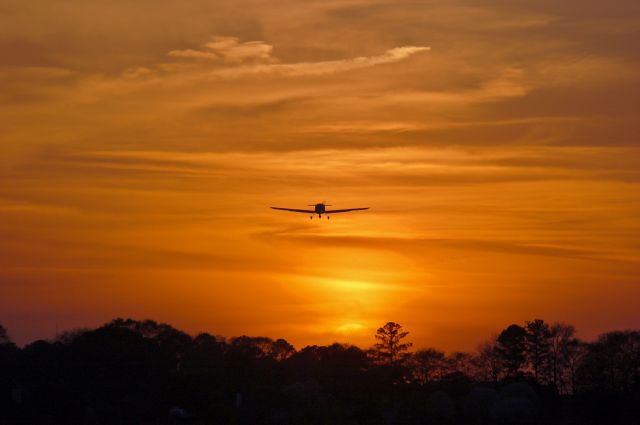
x: 142, y: 143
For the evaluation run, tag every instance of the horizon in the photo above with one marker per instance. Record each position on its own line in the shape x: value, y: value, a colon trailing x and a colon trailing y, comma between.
x: 496, y: 144
x: 414, y: 348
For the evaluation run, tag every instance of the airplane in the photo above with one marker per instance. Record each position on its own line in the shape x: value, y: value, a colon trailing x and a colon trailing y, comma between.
x: 319, y: 209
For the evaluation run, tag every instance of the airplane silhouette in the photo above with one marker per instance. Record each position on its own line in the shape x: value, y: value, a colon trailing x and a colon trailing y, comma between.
x: 319, y: 209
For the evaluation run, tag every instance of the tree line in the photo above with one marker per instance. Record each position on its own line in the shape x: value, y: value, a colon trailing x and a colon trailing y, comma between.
x: 145, y: 372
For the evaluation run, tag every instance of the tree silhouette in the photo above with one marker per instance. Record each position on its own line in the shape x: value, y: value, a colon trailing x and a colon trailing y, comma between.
x: 511, y: 347
x: 4, y: 336
x: 612, y: 363
x: 428, y: 365
x: 565, y: 353
x: 460, y: 362
x: 281, y: 350
x: 488, y: 362
x: 575, y: 352
x: 390, y: 348
x: 537, y: 346
x: 145, y: 372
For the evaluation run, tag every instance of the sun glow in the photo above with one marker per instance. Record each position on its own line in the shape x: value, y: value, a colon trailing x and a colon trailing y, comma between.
x: 350, y: 328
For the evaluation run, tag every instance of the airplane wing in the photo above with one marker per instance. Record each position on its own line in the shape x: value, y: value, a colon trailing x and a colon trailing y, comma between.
x: 347, y: 210
x: 294, y: 210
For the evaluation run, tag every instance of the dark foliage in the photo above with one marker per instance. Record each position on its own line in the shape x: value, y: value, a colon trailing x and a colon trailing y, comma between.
x: 144, y: 372
x: 511, y: 348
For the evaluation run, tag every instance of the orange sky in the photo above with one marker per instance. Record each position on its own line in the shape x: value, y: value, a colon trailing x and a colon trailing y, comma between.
x: 496, y: 142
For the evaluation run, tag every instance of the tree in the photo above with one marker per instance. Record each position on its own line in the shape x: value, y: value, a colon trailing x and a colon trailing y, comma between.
x: 460, y: 362
x: 67, y: 337
x: 428, y: 365
x: 511, y: 348
x: 537, y: 347
x: 390, y: 348
x: 281, y: 350
x: 251, y: 346
x: 575, y: 352
x: 564, y: 357
x: 4, y: 336
x: 612, y: 363
x: 488, y: 362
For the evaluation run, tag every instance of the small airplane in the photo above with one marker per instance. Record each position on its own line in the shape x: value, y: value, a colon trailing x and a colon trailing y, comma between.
x: 319, y: 209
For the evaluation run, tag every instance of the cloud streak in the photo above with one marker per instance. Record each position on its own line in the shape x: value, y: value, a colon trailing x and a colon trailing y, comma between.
x: 230, y: 50
x: 394, y: 55
x: 239, y: 59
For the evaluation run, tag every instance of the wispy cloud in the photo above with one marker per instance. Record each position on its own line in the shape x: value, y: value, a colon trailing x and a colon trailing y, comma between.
x: 398, y: 167
x: 326, y: 67
x: 230, y: 50
x: 418, y: 246
x: 255, y: 58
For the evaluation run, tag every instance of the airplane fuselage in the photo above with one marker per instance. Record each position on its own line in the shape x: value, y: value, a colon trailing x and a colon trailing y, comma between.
x: 319, y: 210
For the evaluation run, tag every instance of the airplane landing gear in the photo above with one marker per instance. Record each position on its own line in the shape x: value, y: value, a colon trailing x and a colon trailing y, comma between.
x: 328, y: 217
x: 311, y: 218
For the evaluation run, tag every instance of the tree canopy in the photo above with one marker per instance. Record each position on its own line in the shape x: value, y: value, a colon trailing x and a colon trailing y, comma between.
x: 130, y: 371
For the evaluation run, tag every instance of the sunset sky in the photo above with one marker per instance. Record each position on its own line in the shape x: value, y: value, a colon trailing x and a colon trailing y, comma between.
x: 496, y: 142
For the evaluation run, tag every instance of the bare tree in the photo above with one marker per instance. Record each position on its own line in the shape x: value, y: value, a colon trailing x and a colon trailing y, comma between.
x: 391, y: 348
x: 575, y: 352
x: 562, y: 346
x: 488, y: 362
x: 461, y: 362
x: 537, y: 348
x: 428, y: 365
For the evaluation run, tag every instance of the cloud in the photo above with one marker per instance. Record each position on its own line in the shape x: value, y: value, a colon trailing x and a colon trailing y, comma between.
x: 418, y: 246
x: 368, y: 127
x: 234, y: 51
x: 510, y: 83
x: 230, y: 50
x: 324, y: 67
x: 401, y: 167
x: 34, y: 72
x: 237, y: 59
x: 193, y: 54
